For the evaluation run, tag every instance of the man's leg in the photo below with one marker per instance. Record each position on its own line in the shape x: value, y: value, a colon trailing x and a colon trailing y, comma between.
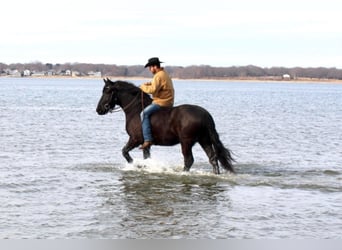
x: 146, y: 124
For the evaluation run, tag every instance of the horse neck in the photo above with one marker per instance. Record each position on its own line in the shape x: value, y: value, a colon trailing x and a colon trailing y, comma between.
x: 133, y: 107
x: 136, y: 103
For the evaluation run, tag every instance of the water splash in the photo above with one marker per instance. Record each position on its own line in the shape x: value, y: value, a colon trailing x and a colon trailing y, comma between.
x: 156, y: 166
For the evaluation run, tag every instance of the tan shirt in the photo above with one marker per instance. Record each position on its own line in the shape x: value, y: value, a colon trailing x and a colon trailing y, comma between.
x: 161, y: 89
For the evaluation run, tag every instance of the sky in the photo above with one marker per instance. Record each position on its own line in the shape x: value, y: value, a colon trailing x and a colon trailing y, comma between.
x: 265, y: 33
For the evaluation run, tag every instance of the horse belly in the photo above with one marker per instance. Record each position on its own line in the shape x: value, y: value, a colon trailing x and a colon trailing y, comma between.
x: 162, y: 133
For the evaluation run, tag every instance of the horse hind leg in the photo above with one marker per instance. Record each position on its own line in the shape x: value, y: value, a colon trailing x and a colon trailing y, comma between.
x: 208, y: 149
x: 187, y: 154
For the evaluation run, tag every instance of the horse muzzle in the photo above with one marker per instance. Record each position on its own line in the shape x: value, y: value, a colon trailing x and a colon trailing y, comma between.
x: 102, y: 110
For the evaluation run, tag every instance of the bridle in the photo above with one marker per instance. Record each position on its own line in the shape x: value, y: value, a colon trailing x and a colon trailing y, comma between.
x: 107, y: 105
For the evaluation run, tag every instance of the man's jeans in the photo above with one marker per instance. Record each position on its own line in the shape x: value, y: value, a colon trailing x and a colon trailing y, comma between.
x: 146, y: 123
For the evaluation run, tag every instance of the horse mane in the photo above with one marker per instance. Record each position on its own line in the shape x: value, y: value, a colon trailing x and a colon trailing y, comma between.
x: 126, y: 86
x: 131, y: 88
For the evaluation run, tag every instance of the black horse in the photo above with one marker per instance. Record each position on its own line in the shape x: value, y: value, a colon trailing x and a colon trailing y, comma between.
x: 184, y: 124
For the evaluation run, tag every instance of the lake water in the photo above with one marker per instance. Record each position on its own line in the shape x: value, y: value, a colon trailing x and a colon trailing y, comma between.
x: 62, y: 174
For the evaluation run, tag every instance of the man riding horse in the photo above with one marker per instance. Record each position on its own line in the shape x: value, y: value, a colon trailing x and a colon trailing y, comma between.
x: 162, y: 91
x: 185, y: 124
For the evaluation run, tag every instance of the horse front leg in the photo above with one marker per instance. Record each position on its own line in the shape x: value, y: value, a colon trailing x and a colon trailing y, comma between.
x: 146, y: 153
x: 125, y: 153
x: 131, y: 144
x: 127, y: 148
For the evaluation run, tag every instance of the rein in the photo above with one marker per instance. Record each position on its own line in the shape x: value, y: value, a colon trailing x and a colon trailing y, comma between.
x: 118, y: 109
x: 142, y: 100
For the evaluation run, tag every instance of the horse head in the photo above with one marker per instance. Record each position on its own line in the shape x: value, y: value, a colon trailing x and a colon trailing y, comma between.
x: 124, y: 94
x: 108, y: 99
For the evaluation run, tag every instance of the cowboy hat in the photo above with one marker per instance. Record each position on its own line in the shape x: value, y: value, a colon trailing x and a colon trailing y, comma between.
x: 153, y: 61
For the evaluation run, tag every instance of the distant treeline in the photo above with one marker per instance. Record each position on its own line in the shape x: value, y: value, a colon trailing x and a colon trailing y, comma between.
x: 188, y: 72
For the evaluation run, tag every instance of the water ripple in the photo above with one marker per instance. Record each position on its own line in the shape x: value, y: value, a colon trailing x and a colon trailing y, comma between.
x: 63, y: 174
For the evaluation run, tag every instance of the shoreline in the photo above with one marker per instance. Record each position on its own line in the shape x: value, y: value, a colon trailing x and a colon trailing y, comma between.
x: 227, y: 79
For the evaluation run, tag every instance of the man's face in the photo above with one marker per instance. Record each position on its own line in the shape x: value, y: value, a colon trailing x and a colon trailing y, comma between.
x: 153, y: 69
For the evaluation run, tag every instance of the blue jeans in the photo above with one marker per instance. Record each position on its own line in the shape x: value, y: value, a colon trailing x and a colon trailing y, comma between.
x: 146, y: 123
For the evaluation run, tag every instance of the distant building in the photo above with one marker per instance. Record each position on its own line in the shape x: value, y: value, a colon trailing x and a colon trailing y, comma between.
x: 51, y: 72
x: 66, y: 72
x: 15, y: 73
x: 75, y: 73
x: 38, y: 73
x: 27, y: 72
x: 286, y: 77
x: 94, y: 74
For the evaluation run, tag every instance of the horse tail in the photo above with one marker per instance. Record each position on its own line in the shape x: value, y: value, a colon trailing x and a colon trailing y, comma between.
x: 224, y: 155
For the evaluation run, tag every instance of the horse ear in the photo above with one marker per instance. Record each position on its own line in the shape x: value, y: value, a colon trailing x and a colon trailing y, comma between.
x: 107, y: 80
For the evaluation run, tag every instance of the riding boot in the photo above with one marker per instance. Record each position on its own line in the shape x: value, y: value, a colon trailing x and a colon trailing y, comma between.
x: 146, y: 144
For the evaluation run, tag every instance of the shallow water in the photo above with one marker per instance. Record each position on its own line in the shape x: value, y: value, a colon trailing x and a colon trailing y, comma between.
x: 63, y: 175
